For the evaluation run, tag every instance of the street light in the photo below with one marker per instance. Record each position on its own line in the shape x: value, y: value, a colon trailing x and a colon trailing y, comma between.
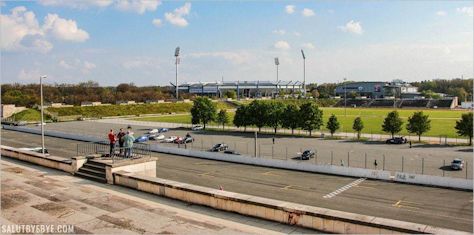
x: 42, y: 113
x: 176, y: 54
x: 345, y: 91
x: 277, y: 62
x: 304, y: 72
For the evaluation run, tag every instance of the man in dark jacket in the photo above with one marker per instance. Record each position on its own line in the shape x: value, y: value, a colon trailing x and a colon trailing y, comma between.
x: 120, y: 136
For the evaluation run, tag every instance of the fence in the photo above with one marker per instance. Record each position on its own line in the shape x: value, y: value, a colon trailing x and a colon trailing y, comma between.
x: 118, y: 153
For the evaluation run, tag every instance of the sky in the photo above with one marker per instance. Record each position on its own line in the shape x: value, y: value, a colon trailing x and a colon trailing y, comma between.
x: 133, y: 41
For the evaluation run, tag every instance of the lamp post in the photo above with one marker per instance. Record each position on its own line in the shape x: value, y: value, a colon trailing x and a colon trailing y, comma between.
x: 42, y: 113
x: 345, y: 92
x: 304, y: 72
x: 176, y: 54
x: 277, y: 62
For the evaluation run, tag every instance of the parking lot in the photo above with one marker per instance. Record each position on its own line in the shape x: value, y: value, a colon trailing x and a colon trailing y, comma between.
x: 421, y: 158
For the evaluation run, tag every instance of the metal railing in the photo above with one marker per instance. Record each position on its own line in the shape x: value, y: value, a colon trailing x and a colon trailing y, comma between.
x: 138, y: 150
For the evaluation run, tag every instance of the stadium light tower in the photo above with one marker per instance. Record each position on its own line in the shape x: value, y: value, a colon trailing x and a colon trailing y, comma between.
x: 304, y: 72
x: 345, y: 95
x: 42, y: 113
x: 277, y: 62
x: 176, y: 54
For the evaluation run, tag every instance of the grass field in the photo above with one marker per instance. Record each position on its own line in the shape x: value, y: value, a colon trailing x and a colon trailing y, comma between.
x: 442, y: 121
x: 29, y: 115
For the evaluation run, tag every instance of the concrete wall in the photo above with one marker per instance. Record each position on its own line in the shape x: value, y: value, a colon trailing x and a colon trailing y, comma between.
x: 433, y: 180
x: 144, y: 168
x: 7, y: 110
x: 322, y: 219
x: 38, y: 159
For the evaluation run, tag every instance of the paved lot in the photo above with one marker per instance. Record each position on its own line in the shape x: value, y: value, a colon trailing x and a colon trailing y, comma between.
x: 36, y: 195
x: 427, y: 205
x: 420, y: 159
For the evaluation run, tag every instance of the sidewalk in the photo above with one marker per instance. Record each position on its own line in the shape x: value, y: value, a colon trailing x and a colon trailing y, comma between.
x: 36, y: 195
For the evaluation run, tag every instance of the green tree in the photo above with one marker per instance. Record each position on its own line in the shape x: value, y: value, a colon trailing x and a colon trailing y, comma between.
x: 333, y: 124
x: 392, y: 123
x: 259, y: 113
x: 464, y: 126
x: 231, y: 94
x: 418, y: 123
x: 311, y: 117
x: 291, y: 117
x: 275, y: 114
x: 203, y: 111
x: 222, y: 118
x: 357, y: 126
x: 241, y: 117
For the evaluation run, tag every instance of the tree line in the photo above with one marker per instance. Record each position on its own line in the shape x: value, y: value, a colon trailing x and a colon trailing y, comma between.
x: 307, y: 116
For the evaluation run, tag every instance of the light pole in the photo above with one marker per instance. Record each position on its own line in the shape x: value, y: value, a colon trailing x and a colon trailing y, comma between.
x: 345, y: 92
x: 42, y: 113
x: 176, y: 54
x: 304, y: 73
x: 277, y: 62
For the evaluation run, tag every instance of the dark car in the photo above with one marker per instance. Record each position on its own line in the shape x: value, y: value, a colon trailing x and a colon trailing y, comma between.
x: 142, y: 138
x: 307, y: 154
x: 231, y: 152
x: 457, y: 164
x: 397, y: 140
x: 162, y: 130
x: 219, y: 147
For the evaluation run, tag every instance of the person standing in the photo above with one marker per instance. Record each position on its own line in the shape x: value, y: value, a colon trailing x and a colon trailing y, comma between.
x: 112, y: 139
x: 128, y: 144
x: 120, y: 137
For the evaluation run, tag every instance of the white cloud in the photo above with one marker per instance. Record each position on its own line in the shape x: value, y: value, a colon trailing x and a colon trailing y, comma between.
x: 28, y: 76
x: 157, y: 22
x: 284, y: 45
x: 297, y: 34
x: 138, y: 6
x: 16, y: 26
x: 279, y: 31
x: 64, y: 29
x: 177, y: 17
x: 352, y: 27
x: 465, y: 10
x: 87, y: 67
x: 81, y: 4
x: 307, y: 12
x: 308, y: 45
x: 290, y: 9
x: 83, y: 66
x: 441, y: 13
x: 65, y: 64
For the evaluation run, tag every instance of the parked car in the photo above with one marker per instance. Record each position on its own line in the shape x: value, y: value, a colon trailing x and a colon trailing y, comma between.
x: 307, y: 154
x: 157, y: 137
x: 457, y: 164
x: 153, y: 131
x: 20, y: 123
x: 161, y: 130
x: 170, y: 139
x: 36, y: 150
x: 197, y: 128
x: 231, y: 152
x: 184, y: 140
x: 142, y: 138
x: 40, y: 124
x: 397, y: 140
x: 219, y: 147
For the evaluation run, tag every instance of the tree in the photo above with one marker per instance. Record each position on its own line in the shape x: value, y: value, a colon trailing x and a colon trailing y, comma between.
x: 231, y: 94
x: 241, y: 118
x: 275, y: 114
x: 203, y: 111
x: 333, y: 124
x: 259, y: 113
x: 291, y: 117
x: 311, y: 117
x: 418, y: 123
x: 222, y: 117
x: 358, y: 126
x: 392, y: 123
x: 464, y: 126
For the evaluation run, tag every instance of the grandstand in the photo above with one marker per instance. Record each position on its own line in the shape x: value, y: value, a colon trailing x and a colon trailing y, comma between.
x: 446, y: 103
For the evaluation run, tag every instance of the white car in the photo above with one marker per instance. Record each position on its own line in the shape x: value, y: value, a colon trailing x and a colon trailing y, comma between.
x: 158, y: 137
x: 196, y: 128
x: 170, y: 139
x: 39, y: 124
x: 36, y: 150
x: 153, y: 131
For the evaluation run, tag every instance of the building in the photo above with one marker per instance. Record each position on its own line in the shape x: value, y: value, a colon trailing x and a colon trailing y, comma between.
x: 125, y: 102
x: 375, y: 90
x: 242, y: 88
x: 7, y: 110
x: 89, y: 103
x: 467, y: 105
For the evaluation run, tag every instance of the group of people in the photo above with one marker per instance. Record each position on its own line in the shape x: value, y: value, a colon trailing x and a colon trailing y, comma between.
x: 125, y: 140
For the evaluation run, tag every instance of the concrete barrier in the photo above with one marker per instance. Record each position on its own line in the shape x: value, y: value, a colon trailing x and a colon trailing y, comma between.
x: 38, y: 159
x: 433, y: 180
x: 322, y: 219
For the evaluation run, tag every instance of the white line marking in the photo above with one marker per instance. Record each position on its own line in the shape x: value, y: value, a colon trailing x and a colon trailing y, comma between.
x: 344, y: 188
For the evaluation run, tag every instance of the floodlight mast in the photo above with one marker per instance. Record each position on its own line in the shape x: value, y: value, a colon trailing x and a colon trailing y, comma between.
x: 42, y: 114
x: 176, y: 54
x: 277, y: 62
x: 304, y: 72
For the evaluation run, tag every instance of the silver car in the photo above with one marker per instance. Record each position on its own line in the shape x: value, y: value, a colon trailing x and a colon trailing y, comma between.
x: 457, y: 164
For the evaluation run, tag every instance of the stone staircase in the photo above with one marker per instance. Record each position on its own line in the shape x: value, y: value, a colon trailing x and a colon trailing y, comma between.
x: 93, y: 171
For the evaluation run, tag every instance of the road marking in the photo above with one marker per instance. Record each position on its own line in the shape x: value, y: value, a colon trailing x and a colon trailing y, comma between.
x: 344, y: 188
x: 287, y: 187
x: 269, y: 173
x: 206, y: 174
x: 405, y: 204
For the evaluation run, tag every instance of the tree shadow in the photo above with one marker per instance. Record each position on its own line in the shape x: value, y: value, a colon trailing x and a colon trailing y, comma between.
x: 469, y: 150
x: 447, y: 168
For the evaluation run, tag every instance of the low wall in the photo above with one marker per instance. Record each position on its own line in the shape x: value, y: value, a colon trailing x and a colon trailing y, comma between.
x: 433, y: 180
x: 146, y: 168
x: 38, y: 159
x: 322, y: 219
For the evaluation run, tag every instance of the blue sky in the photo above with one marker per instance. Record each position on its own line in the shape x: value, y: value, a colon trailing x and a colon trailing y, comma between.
x: 117, y: 41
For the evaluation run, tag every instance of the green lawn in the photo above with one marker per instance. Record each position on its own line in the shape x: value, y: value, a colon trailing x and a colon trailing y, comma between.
x: 29, y: 115
x: 442, y: 121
